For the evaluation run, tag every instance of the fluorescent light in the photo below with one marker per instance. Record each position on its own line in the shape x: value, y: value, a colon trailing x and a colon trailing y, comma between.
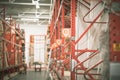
x: 26, y: 19
x: 8, y: 18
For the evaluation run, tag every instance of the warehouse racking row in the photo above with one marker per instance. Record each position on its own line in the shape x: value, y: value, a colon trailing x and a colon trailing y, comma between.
x: 67, y: 53
x: 12, y: 47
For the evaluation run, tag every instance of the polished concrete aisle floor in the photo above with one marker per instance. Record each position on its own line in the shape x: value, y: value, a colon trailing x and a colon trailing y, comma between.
x: 31, y: 75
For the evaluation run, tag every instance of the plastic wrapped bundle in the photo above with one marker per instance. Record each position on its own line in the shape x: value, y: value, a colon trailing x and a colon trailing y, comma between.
x: 104, y: 48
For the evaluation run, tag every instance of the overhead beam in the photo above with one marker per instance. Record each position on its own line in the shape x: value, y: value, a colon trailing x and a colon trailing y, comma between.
x: 40, y: 22
x: 31, y: 17
x: 15, y: 3
x: 42, y: 12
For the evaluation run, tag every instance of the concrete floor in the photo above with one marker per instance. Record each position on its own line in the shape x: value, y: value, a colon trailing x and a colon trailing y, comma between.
x: 31, y: 75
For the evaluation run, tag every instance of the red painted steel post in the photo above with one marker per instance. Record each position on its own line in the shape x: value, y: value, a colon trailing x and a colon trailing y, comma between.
x: 56, y: 12
x: 51, y: 31
x: 62, y: 71
x: 58, y: 30
x: 58, y: 25
x: 63, y: 25
x: 10, y: 45
x: 13, y: 46
x: 63, y: 39
x: 73, y: 15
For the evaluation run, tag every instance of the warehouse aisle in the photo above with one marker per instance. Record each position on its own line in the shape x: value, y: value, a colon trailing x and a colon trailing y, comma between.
x: 31, y: 75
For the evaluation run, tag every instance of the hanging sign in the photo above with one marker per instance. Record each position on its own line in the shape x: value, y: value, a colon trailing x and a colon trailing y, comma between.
x: 54, y: 45
x: 66, y: 32
x: 59, y: 41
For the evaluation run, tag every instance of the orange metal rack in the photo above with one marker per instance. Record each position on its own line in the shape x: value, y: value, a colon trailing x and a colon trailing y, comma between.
x: 63, y: 18
x: 13, y: 47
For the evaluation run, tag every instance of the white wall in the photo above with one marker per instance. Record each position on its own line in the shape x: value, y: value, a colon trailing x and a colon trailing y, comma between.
x: 32, y: 29
x: 39, y: 48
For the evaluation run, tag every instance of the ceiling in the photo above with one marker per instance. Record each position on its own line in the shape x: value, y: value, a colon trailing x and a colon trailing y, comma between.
x: 33, y: 11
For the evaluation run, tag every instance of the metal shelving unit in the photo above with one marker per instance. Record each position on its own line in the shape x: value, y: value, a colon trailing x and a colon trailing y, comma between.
x: 63, y: 42
x: 13, y: 47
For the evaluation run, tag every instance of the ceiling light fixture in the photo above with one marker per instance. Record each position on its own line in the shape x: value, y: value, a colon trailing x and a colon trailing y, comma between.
x: 29, y: 19
x: 36, y: 2
x: 8, y: 18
